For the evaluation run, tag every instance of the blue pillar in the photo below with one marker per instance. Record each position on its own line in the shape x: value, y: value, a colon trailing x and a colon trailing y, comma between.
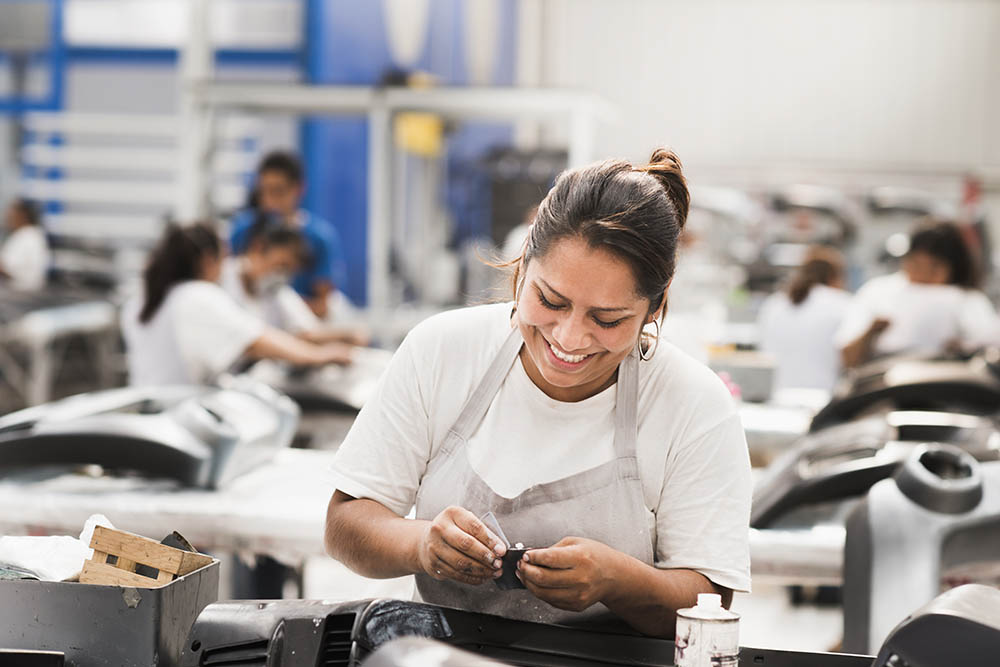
x: 346, y: 44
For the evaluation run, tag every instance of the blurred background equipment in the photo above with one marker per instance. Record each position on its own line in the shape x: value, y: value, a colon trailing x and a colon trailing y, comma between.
x: 200, y: 437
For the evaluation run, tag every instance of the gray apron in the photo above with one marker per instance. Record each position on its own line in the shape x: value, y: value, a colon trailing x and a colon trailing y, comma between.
x: 604, y: 503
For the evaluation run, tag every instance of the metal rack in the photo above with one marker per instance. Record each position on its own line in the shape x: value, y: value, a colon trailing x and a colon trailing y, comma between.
x: 582, y: 111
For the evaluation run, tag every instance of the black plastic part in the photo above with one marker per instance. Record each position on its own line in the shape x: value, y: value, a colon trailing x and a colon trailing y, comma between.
x: 19, y: 658
x: 125, y: 454
x: 904, y: 382
x: 973, y: 398
x: 791, y: 491
x: 961, y: 626
x: 508, y: 581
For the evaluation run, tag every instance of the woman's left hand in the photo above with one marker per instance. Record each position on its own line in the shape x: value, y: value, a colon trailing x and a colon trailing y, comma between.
x: 573, y: 575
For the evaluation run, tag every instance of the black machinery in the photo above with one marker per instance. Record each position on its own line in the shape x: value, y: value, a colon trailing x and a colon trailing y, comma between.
x: 961, y: 626
x: 876, y: 419
x: 294, y: 633
x: 199, y: 436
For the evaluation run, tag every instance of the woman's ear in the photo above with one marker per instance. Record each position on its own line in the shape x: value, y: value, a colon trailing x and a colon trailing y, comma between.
x: 661, y: 307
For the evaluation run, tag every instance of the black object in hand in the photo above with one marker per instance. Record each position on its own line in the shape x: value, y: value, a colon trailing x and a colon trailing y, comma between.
x: 508, y: 580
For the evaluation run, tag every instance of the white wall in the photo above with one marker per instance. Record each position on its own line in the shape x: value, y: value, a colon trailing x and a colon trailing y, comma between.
x: 884, y: 86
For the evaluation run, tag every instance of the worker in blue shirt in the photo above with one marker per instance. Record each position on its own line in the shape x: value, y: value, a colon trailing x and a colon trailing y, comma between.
x: 278, y: 192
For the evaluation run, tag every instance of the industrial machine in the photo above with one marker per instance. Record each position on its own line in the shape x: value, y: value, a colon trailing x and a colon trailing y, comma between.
x: 960, y: 626
x: 941, y: 384
x: 308, y: 633
x: 199, y: 436
x: 935, y: 523
x: 875, y: 421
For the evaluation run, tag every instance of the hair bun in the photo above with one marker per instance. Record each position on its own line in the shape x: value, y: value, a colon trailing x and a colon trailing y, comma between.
x: 665, y: 167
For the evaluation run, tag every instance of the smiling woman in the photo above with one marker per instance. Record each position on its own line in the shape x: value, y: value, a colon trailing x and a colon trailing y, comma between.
x: 623, y: 465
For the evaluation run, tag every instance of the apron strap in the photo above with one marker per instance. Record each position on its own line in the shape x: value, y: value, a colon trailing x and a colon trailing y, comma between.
x: 479, y: 402
x: 627, y: 407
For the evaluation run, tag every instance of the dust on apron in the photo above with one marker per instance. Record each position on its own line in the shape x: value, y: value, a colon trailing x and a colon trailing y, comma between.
x: 604, y: 503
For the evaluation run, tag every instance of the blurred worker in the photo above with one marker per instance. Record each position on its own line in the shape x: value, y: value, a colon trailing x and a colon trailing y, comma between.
x: 185, y: 329
x: 933, y: 305
x: 797, y: 325
x: 278, y: 191
x: 259, y: 281
x: 24, y: 255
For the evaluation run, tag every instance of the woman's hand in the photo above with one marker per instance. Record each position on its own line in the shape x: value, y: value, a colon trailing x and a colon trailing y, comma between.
x: 456, y: 545
x: 341, y: 354
x: 573, y: 575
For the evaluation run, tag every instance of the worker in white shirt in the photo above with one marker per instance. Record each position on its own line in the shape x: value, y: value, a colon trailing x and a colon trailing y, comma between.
x: 797, y: 324
x: 24, y: 254
x: 931, y: 306
x: 185, y: 329
x: 259, y: 280
x: 619, y: 459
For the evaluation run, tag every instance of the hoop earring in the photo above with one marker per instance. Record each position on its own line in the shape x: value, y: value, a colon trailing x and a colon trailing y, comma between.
x: 656, y: 338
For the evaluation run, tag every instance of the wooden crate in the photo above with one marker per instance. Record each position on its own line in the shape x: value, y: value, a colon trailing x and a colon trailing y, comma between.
x: 130, y: 551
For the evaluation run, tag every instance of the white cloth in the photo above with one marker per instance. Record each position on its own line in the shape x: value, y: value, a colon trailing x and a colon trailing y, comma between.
x: 25, y: 256
x: 691, y: 450
x: 282, y: 308
x: 198, y: 332
x: 800, y: 337
x: 923, y: 318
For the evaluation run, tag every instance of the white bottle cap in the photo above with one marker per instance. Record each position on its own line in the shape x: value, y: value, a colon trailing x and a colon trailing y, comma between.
x: 709, y: 601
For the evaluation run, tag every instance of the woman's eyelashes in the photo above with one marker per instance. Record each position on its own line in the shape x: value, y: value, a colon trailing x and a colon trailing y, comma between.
x: 548, y: 304
x: 560, y: 306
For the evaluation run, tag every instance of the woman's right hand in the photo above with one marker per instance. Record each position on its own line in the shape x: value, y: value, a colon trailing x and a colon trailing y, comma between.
x: 456, y: 545
x: 341, y: 354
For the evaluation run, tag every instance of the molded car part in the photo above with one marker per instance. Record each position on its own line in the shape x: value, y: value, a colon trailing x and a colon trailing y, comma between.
x: 199, y: 436
x: 843, y: 461
x: 909, y: 383
x: 937, y: 521
x: 961, y: 626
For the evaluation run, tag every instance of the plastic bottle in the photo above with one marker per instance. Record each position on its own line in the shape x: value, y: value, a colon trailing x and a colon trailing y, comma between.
x: 708, y: 635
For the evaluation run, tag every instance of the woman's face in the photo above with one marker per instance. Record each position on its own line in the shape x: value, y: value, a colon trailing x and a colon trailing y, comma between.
x: 211, y: 267
x: 924, y: 268
x: 580, y: 315
x: 14, y: 219
x: 275, y: 260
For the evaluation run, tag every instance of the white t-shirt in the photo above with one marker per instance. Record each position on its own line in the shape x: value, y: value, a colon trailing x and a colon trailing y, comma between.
x: 282, y: 308
x: 197, y: 333
x: 24, y: 256
x: 800, y: 337
x: 923, y: 318
x: 692, y: 453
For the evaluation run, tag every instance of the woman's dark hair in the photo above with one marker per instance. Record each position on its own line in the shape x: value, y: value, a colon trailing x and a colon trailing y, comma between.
x: 177, y: 258
x: 285, y: 163
x: 28, y: 209
x: 637, y: 213
x: 943, y: 241
x: 822, y: 265
x: 268, y: 232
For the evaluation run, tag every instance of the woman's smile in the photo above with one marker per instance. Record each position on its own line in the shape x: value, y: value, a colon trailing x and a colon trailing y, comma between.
x: 567, y: 361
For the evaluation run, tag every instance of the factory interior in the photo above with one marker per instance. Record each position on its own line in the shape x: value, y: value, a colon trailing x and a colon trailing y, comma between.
x: 272, y: 272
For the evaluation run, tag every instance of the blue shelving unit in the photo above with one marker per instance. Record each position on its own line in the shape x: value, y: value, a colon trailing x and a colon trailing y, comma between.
x: 54, y: 57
